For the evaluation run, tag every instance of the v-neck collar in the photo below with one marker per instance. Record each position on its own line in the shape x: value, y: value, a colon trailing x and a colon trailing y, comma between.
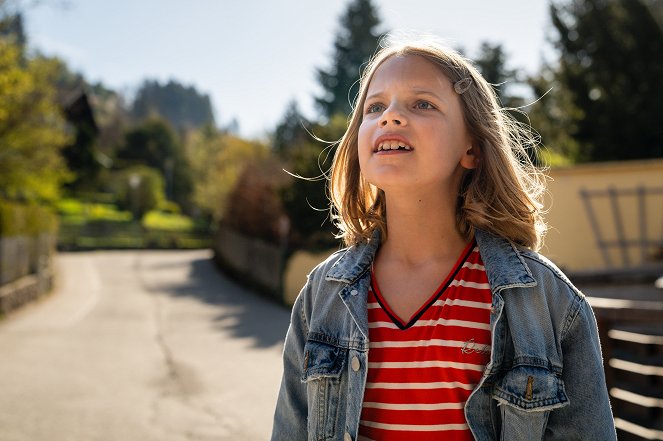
x: 436, y: 295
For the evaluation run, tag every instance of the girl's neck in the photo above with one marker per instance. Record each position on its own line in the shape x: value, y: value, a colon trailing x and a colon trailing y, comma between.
x: 421, y: 229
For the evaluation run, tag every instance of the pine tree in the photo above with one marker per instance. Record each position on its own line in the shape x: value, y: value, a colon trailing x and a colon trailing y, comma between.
x: 612, y: 66
x: 291, y: 132
x: 356, y: 42
x: 492, y: 63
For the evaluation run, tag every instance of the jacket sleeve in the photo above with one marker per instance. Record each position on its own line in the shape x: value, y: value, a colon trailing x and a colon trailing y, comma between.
x: 588, y: 415
x: 290, y: 418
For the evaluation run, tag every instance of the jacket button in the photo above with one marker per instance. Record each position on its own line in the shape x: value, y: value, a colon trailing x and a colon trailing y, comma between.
x: 347, y: 437
x: 355, y: 364
x: 354, y: 292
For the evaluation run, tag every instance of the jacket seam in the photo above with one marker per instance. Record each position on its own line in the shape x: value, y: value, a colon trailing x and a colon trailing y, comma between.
x: 555, y: 273
x: 571, y: 316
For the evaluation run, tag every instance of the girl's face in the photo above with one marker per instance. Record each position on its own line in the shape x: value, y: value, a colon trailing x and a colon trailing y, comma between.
x: 413, y: 136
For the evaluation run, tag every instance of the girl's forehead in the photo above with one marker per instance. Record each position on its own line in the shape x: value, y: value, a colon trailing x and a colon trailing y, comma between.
x: 408, y: 70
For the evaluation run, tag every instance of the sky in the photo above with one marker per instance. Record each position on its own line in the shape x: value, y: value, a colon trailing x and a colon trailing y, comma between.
x: 253, y: 57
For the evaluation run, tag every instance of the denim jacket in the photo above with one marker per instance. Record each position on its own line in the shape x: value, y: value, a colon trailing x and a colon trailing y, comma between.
x: 544, y: 380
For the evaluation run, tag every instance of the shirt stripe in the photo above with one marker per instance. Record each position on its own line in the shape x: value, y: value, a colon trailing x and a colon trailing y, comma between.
x: 421, y: 373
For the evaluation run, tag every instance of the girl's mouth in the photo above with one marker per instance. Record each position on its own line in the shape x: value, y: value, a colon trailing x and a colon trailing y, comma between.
x: 390, y: 145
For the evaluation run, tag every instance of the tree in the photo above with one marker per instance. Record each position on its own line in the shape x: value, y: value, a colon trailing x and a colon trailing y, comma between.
x: 183, y: 107
x: 218, y: 160
x: 111, y: 116
x: 32, y: 127
x: 554, y: 116
x: 305, y: 200
x: 355, y: 43
x: 611, y: 64
x: 11, y: 25
x: 292, y: 131
x: 140, y: 189
x: 491, y: 62
x: 154, y: 144
x: 253, y: 205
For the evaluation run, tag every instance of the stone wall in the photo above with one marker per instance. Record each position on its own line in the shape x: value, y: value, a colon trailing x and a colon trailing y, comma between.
x: 25, y: 269
x: 253, y: 261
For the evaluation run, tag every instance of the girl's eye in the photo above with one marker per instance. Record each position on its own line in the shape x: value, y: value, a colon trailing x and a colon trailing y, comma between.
x: 374, y: 108
x: 424, y: 105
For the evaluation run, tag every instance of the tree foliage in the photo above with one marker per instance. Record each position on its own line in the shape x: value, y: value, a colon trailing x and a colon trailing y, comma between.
x: 356, y: 41
x: 611, y: 65
x: 140, y: 189
x: 182, y: 106
x: 492, y: 63
x: 254, y: 207
x: 305, y: 200
x: 218, y: 160
x: 291, y: 132
x: 32, y: 127
x: 154, y: 144
x: 554, y: 116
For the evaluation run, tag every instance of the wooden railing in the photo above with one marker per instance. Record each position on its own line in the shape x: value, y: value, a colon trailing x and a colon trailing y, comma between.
x: 632, y: 341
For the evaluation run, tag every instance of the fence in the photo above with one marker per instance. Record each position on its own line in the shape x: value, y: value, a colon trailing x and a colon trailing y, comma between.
x: 632, y: 342
x: 26, y: 270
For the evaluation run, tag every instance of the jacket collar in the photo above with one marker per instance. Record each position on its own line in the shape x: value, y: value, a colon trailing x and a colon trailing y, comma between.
x: 504, y: 263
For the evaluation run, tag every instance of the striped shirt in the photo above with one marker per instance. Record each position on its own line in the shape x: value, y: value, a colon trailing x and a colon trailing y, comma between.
x: 421, y: 373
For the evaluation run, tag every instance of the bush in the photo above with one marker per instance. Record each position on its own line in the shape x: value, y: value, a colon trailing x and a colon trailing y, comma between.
x: 140, y: 189
x: 26, y: 219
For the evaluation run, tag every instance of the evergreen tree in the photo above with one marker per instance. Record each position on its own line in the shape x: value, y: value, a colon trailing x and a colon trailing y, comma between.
x: 491, y: 62
x: 292, y: 131
x: 611, y: 64
x: 11, y: 25
x: 356, y: 42
x: 183, y: 107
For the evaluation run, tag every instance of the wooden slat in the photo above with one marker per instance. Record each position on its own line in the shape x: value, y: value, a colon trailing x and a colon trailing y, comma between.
x: 638, y: 430
x: 638, y: 368
x: 636, y: 337
x: 635, y: 398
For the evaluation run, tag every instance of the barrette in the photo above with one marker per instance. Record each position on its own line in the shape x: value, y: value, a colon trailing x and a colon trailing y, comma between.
x: 461, y: 86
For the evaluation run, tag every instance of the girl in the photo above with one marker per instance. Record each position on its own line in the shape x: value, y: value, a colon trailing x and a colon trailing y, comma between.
x: 439, y: 321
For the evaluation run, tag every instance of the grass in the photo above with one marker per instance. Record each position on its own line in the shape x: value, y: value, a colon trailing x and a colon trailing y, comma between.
x: 168, y: 221
x: 87, y: 225
x: 76, y: 212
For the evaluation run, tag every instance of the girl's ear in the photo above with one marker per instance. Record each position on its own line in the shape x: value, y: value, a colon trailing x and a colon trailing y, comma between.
x: 471, y: 157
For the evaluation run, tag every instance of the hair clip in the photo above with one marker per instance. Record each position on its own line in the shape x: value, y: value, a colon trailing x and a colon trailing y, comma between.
x: 461, y: 86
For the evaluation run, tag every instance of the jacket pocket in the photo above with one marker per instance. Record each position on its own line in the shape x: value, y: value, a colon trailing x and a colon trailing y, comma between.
x: 526, y: 395
x: 323, y: 366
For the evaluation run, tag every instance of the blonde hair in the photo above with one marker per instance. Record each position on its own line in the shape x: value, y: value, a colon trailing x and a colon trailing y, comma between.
x: 501, y: 196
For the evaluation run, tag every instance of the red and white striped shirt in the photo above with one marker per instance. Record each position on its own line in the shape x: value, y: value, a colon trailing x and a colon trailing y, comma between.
x: 421, y: 373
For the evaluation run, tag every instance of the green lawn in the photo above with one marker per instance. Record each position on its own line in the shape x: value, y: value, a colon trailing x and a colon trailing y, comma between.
x: 88, y: 225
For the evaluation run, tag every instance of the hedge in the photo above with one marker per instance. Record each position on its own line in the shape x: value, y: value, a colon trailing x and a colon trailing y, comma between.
x: 19, y: 219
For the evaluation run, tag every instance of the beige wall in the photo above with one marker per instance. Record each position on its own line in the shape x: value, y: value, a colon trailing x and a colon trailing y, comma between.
x: 571, y: 242
x: 297, y: 269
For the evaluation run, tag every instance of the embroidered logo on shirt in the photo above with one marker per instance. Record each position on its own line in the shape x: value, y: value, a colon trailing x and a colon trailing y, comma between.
x: 472, y: 347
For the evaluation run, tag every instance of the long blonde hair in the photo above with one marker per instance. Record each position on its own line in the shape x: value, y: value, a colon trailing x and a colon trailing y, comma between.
x: 501, y: 196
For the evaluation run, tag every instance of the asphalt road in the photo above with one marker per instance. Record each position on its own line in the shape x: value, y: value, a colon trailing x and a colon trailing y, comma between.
x: 141, y: 345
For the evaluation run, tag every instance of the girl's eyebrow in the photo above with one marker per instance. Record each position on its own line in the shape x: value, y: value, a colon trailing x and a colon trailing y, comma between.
x: 427, y: 92
x: 416, y: 90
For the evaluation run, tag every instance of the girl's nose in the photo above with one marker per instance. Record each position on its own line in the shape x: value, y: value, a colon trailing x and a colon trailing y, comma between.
x: 392, y: 116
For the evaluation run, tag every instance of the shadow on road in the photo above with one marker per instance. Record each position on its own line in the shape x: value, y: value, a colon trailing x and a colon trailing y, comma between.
x: 246, y: 314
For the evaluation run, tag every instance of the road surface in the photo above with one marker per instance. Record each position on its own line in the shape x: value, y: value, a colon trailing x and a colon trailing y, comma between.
x: 141, y: 345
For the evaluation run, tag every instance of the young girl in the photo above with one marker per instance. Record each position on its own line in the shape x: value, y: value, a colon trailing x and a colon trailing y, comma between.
x: 439, y: 321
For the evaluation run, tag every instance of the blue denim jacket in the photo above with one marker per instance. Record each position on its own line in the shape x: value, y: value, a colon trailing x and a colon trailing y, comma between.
x: 544, y: 381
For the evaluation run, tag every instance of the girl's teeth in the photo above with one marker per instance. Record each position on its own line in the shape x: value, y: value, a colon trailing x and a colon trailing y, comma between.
x: 393, y: 145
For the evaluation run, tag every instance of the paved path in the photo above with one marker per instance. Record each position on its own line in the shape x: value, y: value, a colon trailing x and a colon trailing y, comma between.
x: 141, y: 345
